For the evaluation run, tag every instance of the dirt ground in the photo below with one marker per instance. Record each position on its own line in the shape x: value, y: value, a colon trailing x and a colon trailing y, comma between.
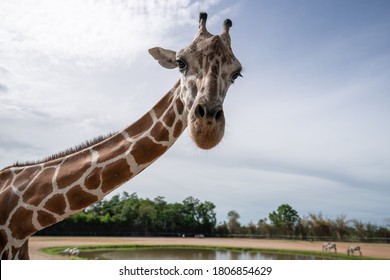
x: 36, y: 243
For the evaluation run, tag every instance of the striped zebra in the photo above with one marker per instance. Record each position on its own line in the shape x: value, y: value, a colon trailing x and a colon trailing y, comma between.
x: 329, y: 246
x: 352, y: 249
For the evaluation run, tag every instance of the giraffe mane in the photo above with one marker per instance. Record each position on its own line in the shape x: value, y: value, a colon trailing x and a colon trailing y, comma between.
x: 69, y: 151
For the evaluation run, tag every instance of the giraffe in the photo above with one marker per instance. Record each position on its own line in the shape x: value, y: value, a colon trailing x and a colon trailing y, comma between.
x: 35, y: 195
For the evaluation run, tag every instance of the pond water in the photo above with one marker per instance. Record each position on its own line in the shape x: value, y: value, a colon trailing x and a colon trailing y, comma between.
x: 186, y: 254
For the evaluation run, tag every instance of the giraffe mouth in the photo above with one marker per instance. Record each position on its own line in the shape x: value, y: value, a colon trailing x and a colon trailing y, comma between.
x: 206, y: 126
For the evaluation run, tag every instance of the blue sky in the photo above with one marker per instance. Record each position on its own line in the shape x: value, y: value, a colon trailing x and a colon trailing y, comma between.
x: 308, y: 125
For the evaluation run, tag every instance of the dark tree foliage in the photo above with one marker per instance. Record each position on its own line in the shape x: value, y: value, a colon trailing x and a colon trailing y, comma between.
x: 284, y: 219
x: 129, y: 215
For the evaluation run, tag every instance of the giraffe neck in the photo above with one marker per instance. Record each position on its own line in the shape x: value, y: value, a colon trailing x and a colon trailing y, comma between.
x: 36, y: 196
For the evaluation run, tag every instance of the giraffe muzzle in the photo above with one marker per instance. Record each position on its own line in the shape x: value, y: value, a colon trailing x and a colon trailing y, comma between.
x: 207, y: 125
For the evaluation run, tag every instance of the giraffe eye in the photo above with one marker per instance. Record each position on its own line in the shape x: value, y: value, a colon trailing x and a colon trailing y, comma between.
x: 235, y: 76
x: 181, y: 64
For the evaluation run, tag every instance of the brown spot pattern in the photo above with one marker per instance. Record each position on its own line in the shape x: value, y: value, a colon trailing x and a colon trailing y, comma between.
x: 3, y: 240
x: 160, y: 133
x: 140, y: 126
x: 23, y: 251
x: 169, y: 118
x: 115, y: 174
x: 163, y: 104
x: 45, y: 219
x: 178, y: 129
x: 4, y: 256
x: 145, y: 150
x: 24, y: 177
x: 21, y: 223
x: 179, y: 106
x: 93, y: 180
x: 73, y: 168
x: 56, y: 204
x: 79, y: 199
x: 112, y: 148
x: 8, y: 201
x: 200, y: 59
x: 5, y: 179
x: 40, y: 188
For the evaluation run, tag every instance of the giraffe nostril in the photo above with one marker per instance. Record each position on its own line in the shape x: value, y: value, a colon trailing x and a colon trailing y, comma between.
x: 218, y: 115
x: 199, y: 111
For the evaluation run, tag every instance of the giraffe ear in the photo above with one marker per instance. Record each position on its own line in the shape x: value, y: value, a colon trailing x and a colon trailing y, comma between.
x: 166, y: 58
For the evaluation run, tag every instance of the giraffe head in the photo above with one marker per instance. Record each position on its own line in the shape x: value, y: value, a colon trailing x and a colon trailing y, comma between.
x: 207, y: 69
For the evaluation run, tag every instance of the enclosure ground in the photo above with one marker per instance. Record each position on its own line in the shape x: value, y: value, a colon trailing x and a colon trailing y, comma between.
x: 38, y: 243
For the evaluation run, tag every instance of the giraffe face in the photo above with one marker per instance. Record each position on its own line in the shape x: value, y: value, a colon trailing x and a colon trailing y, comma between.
x: 207, y: 69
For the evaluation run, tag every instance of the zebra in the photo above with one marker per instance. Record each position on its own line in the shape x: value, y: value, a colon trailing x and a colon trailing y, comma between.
x: 329, y: 246
x: 351, y: 250
x: 71, y: 251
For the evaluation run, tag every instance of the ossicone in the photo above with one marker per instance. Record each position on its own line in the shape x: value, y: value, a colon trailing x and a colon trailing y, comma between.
x: 227, y: 24
x: 202, y: 21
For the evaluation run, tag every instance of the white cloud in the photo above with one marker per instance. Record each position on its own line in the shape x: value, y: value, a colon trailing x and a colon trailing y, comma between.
x: 83, y: 66
x: 63, y: 60
x: 92, y: 32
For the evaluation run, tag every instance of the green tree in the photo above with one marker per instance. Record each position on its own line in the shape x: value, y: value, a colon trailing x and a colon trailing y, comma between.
x: 80, y: 217
x: 190, y: 214
x: 251, y: 228
x: 162, y: 219
x: 174, y: 213
x: 359, y: 229
x: 340, y: 227
x: 319, y: 226
x: 222, y: 229
x: 128, y: 212
x: 206, y: 217
x: 233, y: 224
x: 264, y: 227
x: 285, y: 219
x: 146, y: 215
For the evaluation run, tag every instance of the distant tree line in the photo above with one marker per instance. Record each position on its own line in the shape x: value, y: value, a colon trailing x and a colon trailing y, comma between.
x: 286, y: 223
x: 130, y: 215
